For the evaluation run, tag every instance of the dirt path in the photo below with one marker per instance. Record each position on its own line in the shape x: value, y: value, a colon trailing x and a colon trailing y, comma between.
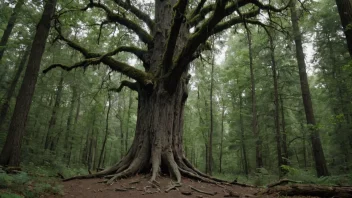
x: 127, y: 188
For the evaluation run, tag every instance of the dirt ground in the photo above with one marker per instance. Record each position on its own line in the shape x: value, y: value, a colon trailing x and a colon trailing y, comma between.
x: 139, y: 186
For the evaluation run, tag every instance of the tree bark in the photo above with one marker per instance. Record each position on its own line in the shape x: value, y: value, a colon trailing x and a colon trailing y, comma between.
x: 276, y: 103
x: 317, y: 149
x: 221, y: 135
x: 10, y: 24
x: 211, y: 131
x: 243, y: 145
x: 345, y: 11
x: 69, y: 131
x: 258, y: 142
x: 106, y: 130
x: 285, y: 160
x: 11, y: 151
x: 130, y: 101
x: 10, y: 91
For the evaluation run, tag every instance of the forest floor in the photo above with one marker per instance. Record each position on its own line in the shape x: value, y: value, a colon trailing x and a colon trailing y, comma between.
x: 17, y: 184
x: 138, y: 186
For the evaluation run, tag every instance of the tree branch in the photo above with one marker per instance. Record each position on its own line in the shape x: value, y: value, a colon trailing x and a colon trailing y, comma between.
x: 268, y: 6
x: 132, y: 85
x: 134, y: 50
x: 193, y: 21
x: 194, y: 41
x: 111, y: 16
x: 179, y: 17
x: 236, y: 20
x: 197, y: 9
x: 85, y: 63
x: 142, y: 16
x: 96, y: 58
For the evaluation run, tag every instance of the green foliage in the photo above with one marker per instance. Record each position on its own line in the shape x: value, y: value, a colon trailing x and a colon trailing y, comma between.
x: 29, y: 186
x: 9, y: 195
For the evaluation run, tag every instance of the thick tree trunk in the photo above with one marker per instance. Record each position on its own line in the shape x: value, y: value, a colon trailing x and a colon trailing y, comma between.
x: 317, y: 149
x: 10, y: 91
x: 258, y: 142
x: 10, y: 24
x: 11, y: 151
x: 345, y: 11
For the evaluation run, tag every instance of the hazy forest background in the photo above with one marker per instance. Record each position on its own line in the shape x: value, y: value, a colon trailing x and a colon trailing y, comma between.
x: 78, y: 123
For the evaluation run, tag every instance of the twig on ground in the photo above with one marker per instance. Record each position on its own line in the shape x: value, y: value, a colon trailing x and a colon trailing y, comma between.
x: 120, y: 189
x: 135, y: 182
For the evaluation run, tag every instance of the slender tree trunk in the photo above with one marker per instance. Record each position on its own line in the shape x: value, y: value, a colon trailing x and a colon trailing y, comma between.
x: 49, y: 140
x: 243, y: 145
x: 55, y: 140
x: 11, y: 151
x: 11, y: 90
x: 276, y: 102
x: 10, y: 24
x: 69, y: 131
x: 258, y: 142
x: 221, y: 135
x: 106, y: 131
x: 285, y: 161
x: 304, y: 148
x: 122, y: 150
x: 345, y: 11
x: 130, y: 101
x: 74, y: 129
x: 211, y: 131
x: 317, y: 149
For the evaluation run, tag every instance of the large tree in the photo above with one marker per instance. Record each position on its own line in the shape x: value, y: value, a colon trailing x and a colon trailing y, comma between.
x: 10, y: 154
x: 173, y: 38
x: 317, y: 148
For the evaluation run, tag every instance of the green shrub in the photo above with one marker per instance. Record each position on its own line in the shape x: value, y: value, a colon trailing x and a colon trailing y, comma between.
x: 9, y: 195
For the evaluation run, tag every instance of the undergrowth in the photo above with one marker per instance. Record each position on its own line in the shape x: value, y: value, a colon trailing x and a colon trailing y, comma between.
x: 264, y: 177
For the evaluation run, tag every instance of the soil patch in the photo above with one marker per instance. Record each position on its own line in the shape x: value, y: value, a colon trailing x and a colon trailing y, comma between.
x: 139, y: 186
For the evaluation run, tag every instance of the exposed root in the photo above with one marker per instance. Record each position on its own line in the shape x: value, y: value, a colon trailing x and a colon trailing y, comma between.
x: 95, y: 175
x: 282, y: 182
x: 124, y: 173
x: 156, y: 160
x: 195, y: 176
x: 172, y: 166
x: 204, y: 192
x: 173, y: 186
x: 147, y: 191
x: 154, y: 183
